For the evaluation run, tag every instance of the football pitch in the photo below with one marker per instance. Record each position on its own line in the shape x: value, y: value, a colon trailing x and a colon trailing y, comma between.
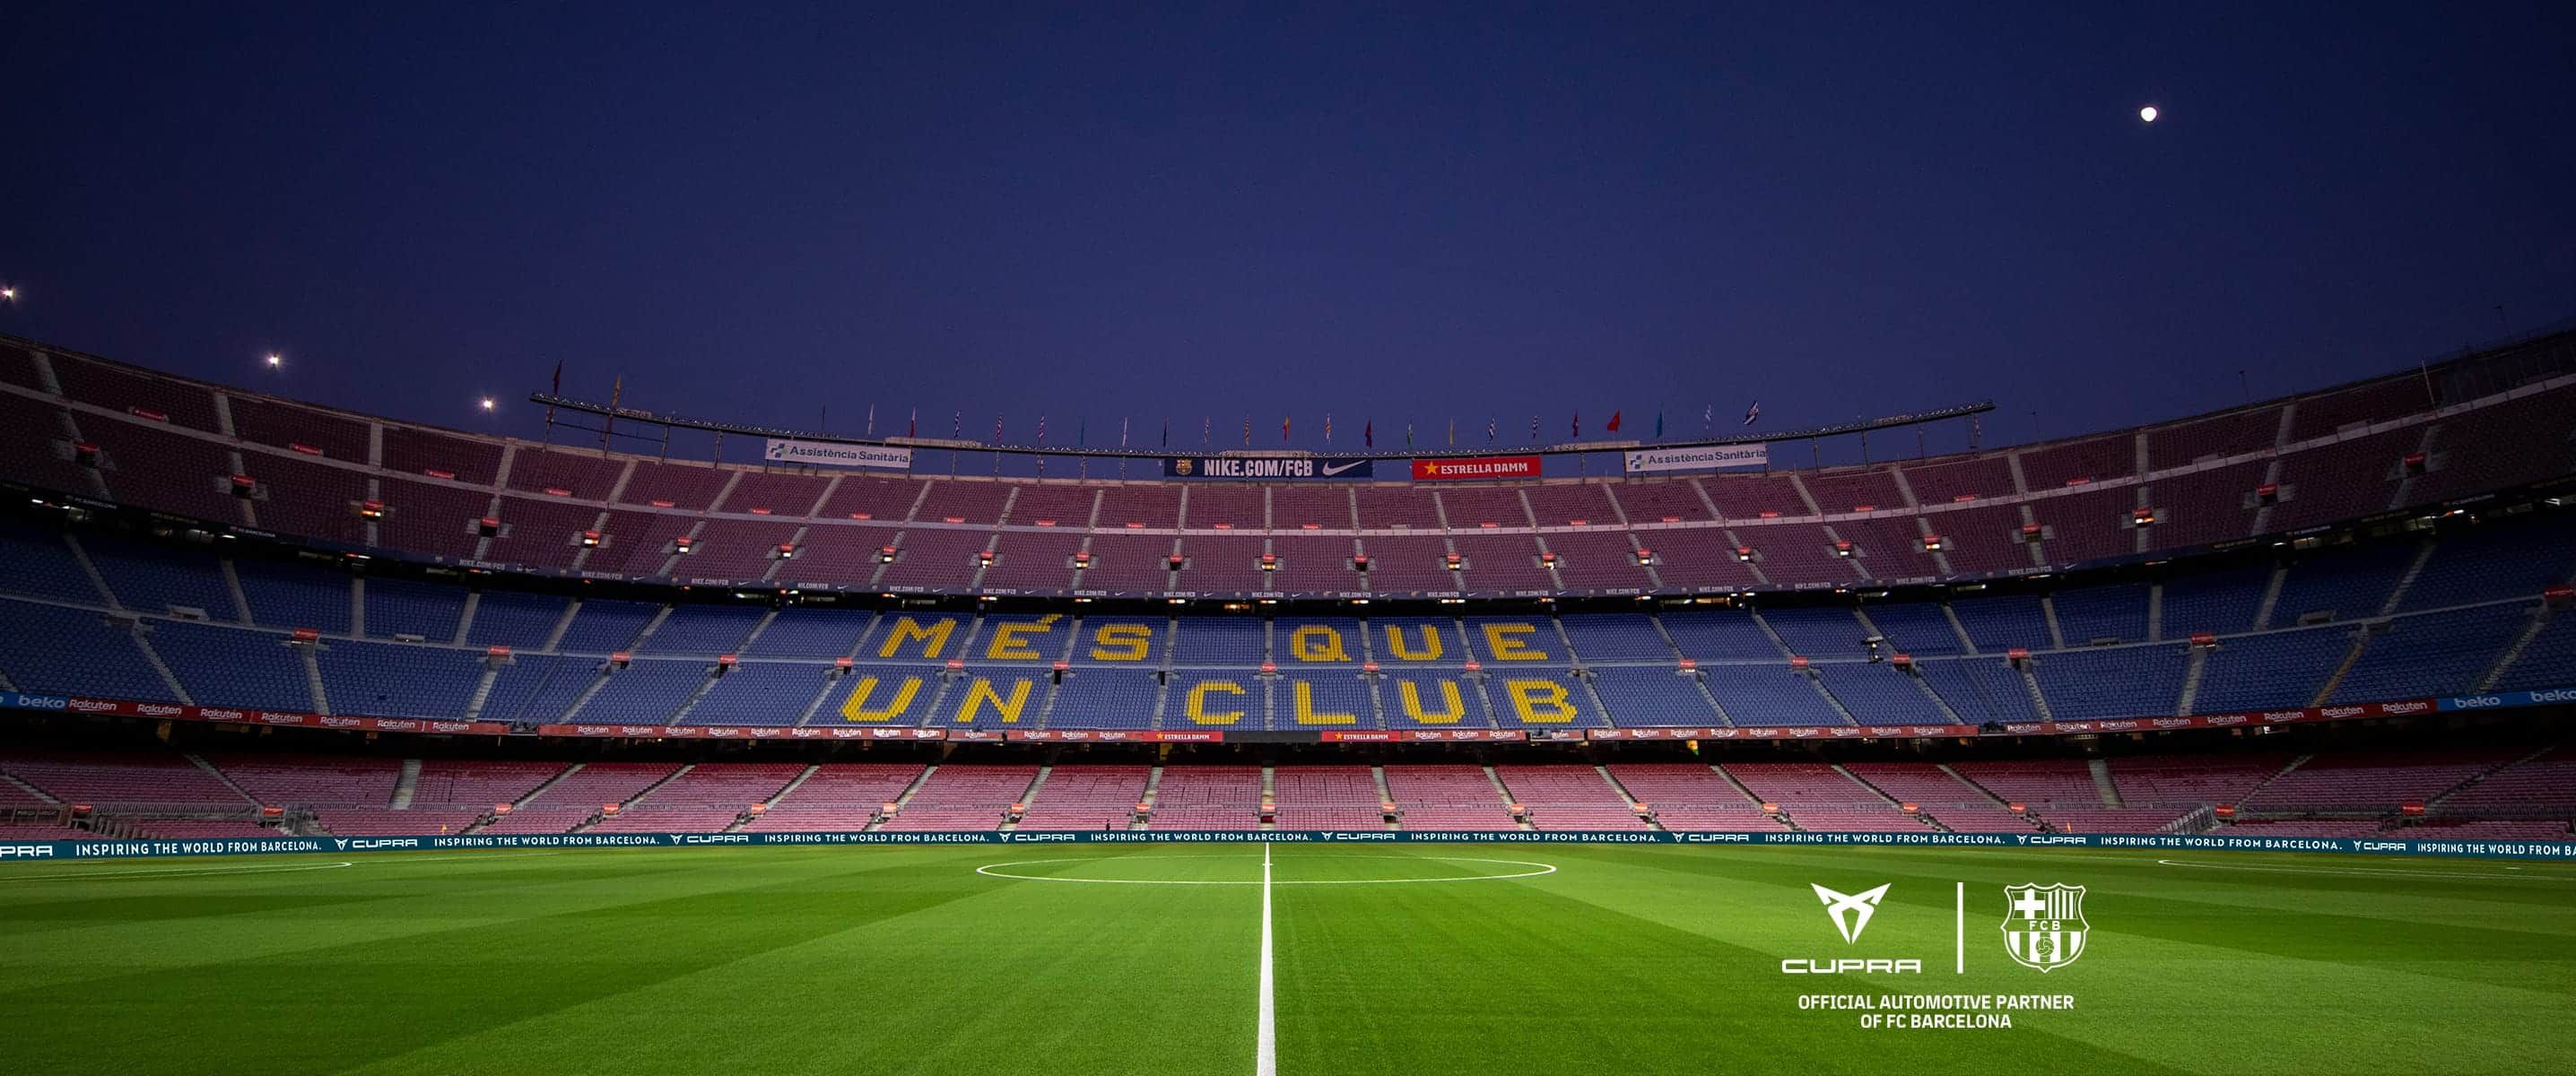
x: 1472, y: 959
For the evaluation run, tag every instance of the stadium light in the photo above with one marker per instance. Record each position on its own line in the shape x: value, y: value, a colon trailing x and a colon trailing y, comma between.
x: 9, y: 293
x: 488, y: 403
x: 274, y: 361
x: 2147, y: 114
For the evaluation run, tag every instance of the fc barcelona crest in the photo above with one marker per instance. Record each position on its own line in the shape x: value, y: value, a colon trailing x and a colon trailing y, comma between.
x: 2044, y: 925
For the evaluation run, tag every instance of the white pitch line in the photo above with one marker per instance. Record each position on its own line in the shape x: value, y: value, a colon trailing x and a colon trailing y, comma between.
x: 192, y: 873
x: 994, y: 870
x: 1265, y: 1037
x: 1959, y: 946
x: 2366, y: 872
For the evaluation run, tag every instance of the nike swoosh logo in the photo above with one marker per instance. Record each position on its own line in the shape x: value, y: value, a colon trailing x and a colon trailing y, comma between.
x: 1330, y: 470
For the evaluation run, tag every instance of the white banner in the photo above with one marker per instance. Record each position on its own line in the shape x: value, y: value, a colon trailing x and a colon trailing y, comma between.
x: 1693, y: 459
x: 835, y: 454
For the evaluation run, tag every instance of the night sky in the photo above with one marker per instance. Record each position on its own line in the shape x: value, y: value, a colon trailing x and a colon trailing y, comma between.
x: 1384, y: 212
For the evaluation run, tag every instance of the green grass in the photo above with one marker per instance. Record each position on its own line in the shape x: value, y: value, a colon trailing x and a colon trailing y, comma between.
x: 904, y: 960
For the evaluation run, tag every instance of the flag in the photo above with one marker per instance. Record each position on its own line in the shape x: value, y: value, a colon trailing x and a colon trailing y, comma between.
x: 872, y: 420
x: 1247, y: 431
x: 1489, y: 429
x: 1659, y: 423
x: 1041, y: 429
x: 1328, y: 427
x: 957, y: 425
x: 1283, y: 429
x: 1533, y: 428
x: 1578, y: 425
x: 997, y: 428
x: 1082, y: 430
x: 1122, y: 431
x: 1753, y: 412
x: 1368, y: 434
x: 616, y: 389
x: 557, y: 390
x: 1707, y: 417
x: 1613, y: 425
x: 1453, y: 433
x: 912, y: 425
x: 1408, y: 435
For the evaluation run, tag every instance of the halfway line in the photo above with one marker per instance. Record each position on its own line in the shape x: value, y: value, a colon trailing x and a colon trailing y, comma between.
x: 1265, y: 1046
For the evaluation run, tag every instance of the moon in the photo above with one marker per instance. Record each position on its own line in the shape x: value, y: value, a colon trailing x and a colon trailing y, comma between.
x: 2147, y: 114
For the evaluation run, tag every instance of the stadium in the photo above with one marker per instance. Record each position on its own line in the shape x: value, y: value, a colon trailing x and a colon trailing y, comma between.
x: 2207, y: 649
x: 1549, y: 539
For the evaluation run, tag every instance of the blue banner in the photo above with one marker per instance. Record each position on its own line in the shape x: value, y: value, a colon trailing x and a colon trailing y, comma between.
x: 35, y: 851
x: 2505, y: 700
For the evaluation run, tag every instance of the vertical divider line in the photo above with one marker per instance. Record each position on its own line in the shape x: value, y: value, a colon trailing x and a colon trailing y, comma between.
x: 1959, y: 943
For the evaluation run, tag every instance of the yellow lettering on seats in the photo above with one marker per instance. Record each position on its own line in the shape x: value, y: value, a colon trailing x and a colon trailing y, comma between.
x: 1122, y: 642
x: 1197, y: 703
x: 855, y: 708
x: 934, y: 636
x: 1504, y: 642
x: 980, y: 691
x: 1452, y: 707
x: 1008, y: 646
x: 1304, y: 693
x: 1317, y: 642
x: 1540, y: 702
x: 1430, y: 643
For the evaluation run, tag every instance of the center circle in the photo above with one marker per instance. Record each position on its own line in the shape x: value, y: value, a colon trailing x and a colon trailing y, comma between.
x: 1530, y: 870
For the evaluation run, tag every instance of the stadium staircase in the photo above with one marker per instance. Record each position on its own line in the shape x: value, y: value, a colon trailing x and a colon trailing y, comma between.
x: 1029, y: 796
x: 308, y: 654
x: 1505, y: 794
x: 89, y: 568
x: 713, y: 677
x: 152, y: 657
x: 2352, y: 657
x: 2513, y: 651
x: 2271, y: 597
x: 12, y: 781
x: 483, y: 682
x: 1153, y: 789
x: 905, y: 797
x: 1629, y: 797
x: 748, y: 818
x: 629, y: 801
x: 405, y: 784
x: 531, y: 796
x: 200, y: 762
x: 465, y: 618
x: 2101, y: 770
x: 2480, y: 777
x: 1921, y: 814
x: 2284, y: 771
x: 2193, y: 666
x: 1967, y: 645
x: 1747, y: 793
x: 2038, y: 698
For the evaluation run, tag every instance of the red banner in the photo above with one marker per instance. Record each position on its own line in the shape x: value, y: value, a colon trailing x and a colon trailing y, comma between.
x: 1476, y: 468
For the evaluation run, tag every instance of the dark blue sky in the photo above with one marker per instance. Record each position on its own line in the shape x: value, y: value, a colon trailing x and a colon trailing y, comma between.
x: 1381, y: 211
